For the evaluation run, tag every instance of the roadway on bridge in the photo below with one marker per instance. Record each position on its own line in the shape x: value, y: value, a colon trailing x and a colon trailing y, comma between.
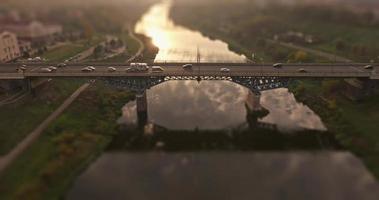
x: 203, y: 69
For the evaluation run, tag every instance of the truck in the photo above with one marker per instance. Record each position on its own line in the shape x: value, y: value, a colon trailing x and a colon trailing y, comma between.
x: 138, y: 67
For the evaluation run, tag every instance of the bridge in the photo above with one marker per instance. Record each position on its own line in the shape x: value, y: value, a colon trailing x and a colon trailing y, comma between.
x: 256, y: 77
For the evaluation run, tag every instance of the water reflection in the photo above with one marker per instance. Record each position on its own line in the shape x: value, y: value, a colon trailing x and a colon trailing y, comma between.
x: 177, y: 43
x: 179, y: 164
x: 218, y: 105
x: 226, y: 176
x: 208, y: 105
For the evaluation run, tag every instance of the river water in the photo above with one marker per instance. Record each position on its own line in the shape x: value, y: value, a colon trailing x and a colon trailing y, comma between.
x: 218, y: 105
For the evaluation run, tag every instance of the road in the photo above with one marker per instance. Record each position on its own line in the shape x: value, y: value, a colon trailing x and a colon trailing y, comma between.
x: 141, y: 45
x: 341, y: 70
x: 23, y: 145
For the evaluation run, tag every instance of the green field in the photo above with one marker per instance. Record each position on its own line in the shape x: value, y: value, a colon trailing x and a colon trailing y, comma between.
x: 19, y: 119
x: 46, y: 170
x: 69, y: 50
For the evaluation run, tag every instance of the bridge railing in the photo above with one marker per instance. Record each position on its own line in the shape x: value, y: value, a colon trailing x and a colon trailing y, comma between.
x: 181, y: 73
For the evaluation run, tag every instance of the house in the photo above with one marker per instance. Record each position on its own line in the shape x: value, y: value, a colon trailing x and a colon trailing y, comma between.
x: 34, y: 31
x: 9, y: 48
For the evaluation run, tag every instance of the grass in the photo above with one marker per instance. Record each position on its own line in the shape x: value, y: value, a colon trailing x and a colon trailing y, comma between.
x: 71, y: 49
x: 46, y: 170
x: 19, y: 119
x: 353, y: 123
x: 132, y: 47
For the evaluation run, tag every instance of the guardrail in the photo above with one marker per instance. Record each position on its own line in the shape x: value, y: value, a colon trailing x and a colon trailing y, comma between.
x: 84, y: 64
x: 181, y: 73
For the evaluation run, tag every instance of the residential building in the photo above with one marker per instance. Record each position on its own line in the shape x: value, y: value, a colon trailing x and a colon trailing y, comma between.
x: 9, y: 48
x: 33, y: 31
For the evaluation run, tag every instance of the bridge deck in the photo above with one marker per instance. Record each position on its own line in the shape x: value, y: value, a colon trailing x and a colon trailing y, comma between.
x: 315, y: 70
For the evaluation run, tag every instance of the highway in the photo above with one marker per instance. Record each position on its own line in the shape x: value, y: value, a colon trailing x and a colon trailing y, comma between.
x: 315, y: 70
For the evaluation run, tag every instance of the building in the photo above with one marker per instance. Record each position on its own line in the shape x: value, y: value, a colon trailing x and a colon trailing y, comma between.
x: 34, y: 31
x: 9, y: 48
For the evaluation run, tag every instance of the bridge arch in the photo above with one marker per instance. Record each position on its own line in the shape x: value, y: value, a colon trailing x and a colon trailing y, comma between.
x: 140, y: 84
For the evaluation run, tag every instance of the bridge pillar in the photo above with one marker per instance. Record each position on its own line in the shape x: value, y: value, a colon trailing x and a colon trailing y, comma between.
x: 28, y: 84
x: 142, y: 112
x: 253, y: 101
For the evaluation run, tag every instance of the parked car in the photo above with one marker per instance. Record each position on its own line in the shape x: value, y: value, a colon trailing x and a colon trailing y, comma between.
x: 156, y: 69
x: 278, y: 65
x: 225, y: 70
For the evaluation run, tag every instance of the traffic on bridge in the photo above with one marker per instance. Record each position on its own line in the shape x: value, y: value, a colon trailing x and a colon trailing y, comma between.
x: 316, y: 70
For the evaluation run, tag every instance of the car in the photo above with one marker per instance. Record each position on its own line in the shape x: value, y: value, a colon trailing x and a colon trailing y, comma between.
x: 86, y: 69
x: 61, y: 65
x: 369, y: 67
x: 225, y: 70
x: 37, y: 59
x: 91, y: 67
x: 45, y: 70
x: 130, y: 69
x: 302, y: 70
x: 277, y: 65
x: 52, y: 68
x: 112, y: 69
x: 22, y: 68
x: 156, y: 69
x: 187, y: 66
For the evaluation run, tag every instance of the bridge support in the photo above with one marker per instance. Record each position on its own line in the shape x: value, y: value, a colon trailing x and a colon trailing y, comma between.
x: 142, y: 109
x: 28, y: 84
x: 253, y: 101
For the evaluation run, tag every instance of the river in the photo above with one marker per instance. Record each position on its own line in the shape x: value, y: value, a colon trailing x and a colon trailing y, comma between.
x: 194, y: 172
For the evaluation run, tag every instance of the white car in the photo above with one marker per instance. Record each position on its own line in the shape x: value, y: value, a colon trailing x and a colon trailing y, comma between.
x: 302, y: 70
x: 369, y: 67
x: 45, y: 70
x: 61, y: 65
x: 225, y: 70
x: 156, y: 69
x: 187, y: 66
x: 86, y: 69
x: 278, y: 65
x: 52, y: 68
x: 112, y: 69
x: 91, y: 67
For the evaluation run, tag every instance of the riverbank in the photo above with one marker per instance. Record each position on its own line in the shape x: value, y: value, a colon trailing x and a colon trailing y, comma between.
x: 353, y: 123
x: 46, y: 170
x: 67, y: 147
